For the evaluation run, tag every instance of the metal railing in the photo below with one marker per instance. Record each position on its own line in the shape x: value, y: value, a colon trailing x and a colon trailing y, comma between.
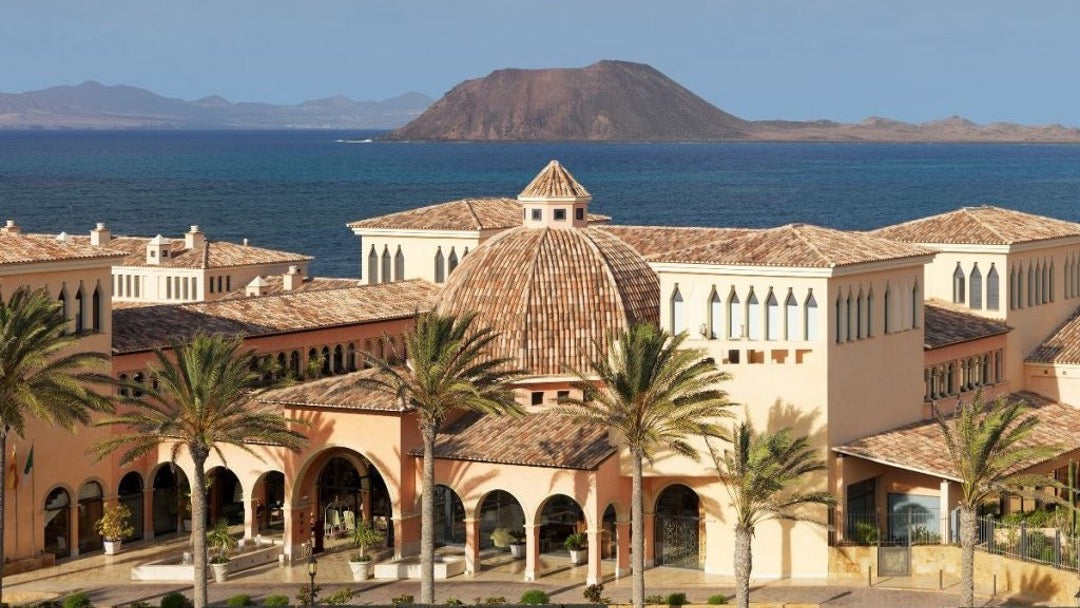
x: 912, y: 527
x: 1048, y: 546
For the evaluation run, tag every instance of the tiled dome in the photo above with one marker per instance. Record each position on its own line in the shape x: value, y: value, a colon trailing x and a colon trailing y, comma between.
x: 552, y: 293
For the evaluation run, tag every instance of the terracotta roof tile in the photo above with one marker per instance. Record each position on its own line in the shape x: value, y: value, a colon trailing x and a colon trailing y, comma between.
x: 337, y: 392
x: 213, y: 254
x: 470, y: 214
x: 18, y: 248
x: 795, y: 245
x: 536, y: 440
x: 1063, y: 345
x: 984, y: 225
x: 148, y: 327
x: 554, y: 182
x: 920, y: 446
x: 947, y: 324
x: 552, y: 292
x: 275, y: 286
x: 653, y: 240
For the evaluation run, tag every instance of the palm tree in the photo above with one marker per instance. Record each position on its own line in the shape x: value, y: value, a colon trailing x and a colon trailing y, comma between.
x: 448, y: 370
x: 204, y: 399
x: 986, y: 445
x: 41, y: 375
x: 654, y: 394
x: 761, y: 472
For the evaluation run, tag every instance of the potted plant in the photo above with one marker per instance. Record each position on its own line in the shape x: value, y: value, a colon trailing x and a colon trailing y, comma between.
x: 363, y: 536
x: 575, y: 544
x: 517, y: 545
x: 113, y: 527
x: 223, y: 544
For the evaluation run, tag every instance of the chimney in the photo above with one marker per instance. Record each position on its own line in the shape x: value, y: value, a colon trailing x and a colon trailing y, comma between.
x: 100, y: 235
x: 257, y: 287
x: 62, y: 237
x: 11, y: 228
x: 246, y: 242
x: 292, y: 279
x: 157, y: 249
x: 194, y: 239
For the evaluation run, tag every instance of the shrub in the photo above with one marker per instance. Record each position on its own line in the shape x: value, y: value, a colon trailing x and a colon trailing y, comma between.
x: 276, y: 600
x: 535, y: 597
x: 676, y: 599
x: 308, y: 596
x: 175, y: 600
x: 239, y: 600
x: 592, y: 593
x: 402, y: 600
x: 453, y: 601
x: 339, y: 597
x: 77, y: 600
x: 495, y: 600
x: 575, y: 542
x: 655, y: 599
x: 716, y: 600
x: 865, y: 533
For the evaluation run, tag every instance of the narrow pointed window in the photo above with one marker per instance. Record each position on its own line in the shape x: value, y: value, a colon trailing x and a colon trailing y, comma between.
x: 916, y: 304
x: 64, y: 305
x: 958, y: 285
x: 870, y: 313
x: 810, y: 320
x: 452, y: 261
x: 791, y: 317
x: 993, y: 292
x: 386, y: 264
x: 1030, y: 285
x: 734, y: 316
x: 678, y: 317
x: 753, y: 316
x: 859, y: 315
x: 1050, y: 282
x: 399, y: 265
x: 975, y: 301
x: 372, y: 267
x: 841, y: 318
x: 772, y: 317
x: 440, y: 267
x: 716, y: 312
x: 79, y: 311
x: 95, y: 308
x: 887, y: 317
x: 852, y: 319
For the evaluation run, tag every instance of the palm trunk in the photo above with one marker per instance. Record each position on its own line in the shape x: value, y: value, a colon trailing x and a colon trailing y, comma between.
x: 743, y: 563
x: 967, y: 556
x: 3, y: 501
x: 198, y: 526
x: 427, y: 520
x: 637, y: 532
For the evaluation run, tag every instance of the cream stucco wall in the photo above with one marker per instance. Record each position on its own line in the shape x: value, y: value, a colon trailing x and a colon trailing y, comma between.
x: 419, y: 248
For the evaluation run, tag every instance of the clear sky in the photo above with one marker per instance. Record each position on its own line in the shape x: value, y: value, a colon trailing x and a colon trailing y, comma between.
x: 913, y: 60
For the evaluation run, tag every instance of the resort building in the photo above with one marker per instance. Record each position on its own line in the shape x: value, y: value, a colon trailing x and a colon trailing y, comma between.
x: 852, y: 338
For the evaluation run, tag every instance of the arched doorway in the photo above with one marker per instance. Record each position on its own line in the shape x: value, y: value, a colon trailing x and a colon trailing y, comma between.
x: 225, y: 497
x: 269, y: 497
x: 91, y: 507
x: 560, y: 517
x: 350, y: 488
x: 500, y: 510
x: 608, y: 534
x: 449, y: 518
x: 131, y: 496
x: 58, y: 523
x: 171, y: 500
x: 678, y: 528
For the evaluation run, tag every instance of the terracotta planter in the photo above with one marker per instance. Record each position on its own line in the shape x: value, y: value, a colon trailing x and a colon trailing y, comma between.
x: 112, y: 547
x: 517, y: 550
x: 361, y: 571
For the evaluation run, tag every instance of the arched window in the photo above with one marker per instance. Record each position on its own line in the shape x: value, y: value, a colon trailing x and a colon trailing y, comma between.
x: 79, y: 311
x: 140, y: 380
x: 870, y: 313
x: 810, y: 318
x: 350, y: 357
x: 282, y: 366
x: 852, y: 320
x: 791, y: 317
x: 372, y: 267
x: 975, y: 301
x: 715, y: 314
x: 958, y: 285
x: 992, y: 290
x: 122, y: 380
x: 325, y: 361
x: 950, y: 379
x: 385, y: 270
x: 887, y: 310
x: 294, y: 364
x: 753, y: 316
x: 440, y: 266
x: 841, y: 318
x: 399, y: 265
x: 734, y: 316
x: 678, y: 318
x: 859, y: 309
x: 772, y: 317
x: 1030, y: 285
x: 1050, y: 282
x: 95, y: 307
x: 1068, y: 277
x: 916, y: 304
x: 451, y: 261
x: 339, y: 360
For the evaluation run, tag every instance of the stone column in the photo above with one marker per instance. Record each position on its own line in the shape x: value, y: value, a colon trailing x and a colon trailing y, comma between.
x: 944, y: 511
x: 251, y: 517
x: 532, y: 552
x: 595, y: 574
x: 297, y: 535
x: 650, y: 537
x: 622, y: 548
x: 472, y: 546
x: 148, y: 513
x: 73, y: 517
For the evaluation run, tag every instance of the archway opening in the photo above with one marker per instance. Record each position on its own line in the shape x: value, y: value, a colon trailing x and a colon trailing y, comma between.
x: 679, y: 532
x: 500, y: 512
x: 170, y: 504
x: 131, y: 496
x: 560, y: 517
x: 348, y: 489
x: 608, y: 534
x: 91, y: 507
x: 58, y: 523
x: 270, y: 502
x: 225, y: 497
x: 449, y: 518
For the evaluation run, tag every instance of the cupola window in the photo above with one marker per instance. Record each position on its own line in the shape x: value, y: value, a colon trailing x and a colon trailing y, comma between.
x: 560, y: 215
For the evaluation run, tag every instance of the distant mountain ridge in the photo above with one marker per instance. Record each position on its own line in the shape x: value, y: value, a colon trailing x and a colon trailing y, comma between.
x: 92, y: 105
x: 624, y: 101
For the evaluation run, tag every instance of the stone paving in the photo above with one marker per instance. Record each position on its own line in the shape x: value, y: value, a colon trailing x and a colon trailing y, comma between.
x: 107, y: 580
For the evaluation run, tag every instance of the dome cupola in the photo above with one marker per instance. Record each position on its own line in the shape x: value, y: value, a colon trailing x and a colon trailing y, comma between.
x: 554, y: 199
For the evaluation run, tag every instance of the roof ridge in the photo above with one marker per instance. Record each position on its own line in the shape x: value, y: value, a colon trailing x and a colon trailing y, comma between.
x: 810, y: 243
x: 476, y: 218
x: 526, y: 293
x: 978, y: 220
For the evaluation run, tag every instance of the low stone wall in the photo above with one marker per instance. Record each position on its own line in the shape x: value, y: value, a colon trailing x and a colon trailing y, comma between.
x: 1017, y: 579
x: 26, y: 564
x: 409, y: 568
x: 169, y: 570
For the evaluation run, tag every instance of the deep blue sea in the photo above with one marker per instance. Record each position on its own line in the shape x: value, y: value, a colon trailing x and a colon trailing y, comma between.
x: 297, y: 190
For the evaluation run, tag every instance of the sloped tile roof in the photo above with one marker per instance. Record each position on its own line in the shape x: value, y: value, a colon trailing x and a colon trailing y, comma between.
x: 148, y: 327
x: 213, y: 254
x: 551, y: 293
x: 920, y: 446
x: 653, y: 240
x: 983, y: 225
x: 469, y: 214
x: 1063, y: 345
x: 18, y: 248
x: 275, y: 286
x: 794, y: 245
x: 947, y: 324
x: 337, y: 392
x: 535, y: 440
x: 554, y: 182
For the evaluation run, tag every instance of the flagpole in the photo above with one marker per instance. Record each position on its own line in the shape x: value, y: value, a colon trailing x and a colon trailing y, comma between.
x: 33, y: 506
x: 15, y: 482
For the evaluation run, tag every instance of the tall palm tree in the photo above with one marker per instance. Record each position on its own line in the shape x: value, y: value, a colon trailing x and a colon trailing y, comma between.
x: 655, y: 395
x: 41, y: 375
x: 986, y: 445
x: 762, y: 472
x: 204, y: 400
x: 448, y: 370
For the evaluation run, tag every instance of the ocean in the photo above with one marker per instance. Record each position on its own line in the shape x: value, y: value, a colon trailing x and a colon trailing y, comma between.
x: 296, y: 190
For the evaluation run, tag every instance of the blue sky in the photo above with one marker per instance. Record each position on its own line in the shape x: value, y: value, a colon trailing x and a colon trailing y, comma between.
x: 845, y: 60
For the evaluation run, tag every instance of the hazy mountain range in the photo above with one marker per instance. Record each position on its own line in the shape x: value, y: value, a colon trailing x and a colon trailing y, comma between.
x: 92, y: 105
